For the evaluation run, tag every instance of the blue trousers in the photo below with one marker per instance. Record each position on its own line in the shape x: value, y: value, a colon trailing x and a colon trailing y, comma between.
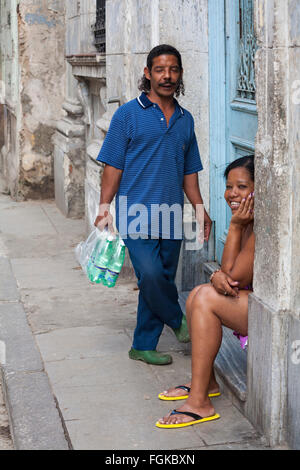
x: 155, y: 263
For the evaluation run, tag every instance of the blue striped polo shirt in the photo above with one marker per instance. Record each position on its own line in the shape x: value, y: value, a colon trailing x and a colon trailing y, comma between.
x: 154, y: 158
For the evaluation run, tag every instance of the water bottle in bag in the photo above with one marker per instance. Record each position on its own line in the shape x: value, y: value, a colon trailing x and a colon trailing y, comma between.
x: 90, y: 269
x: 115, y: 265
x: 100, y: 258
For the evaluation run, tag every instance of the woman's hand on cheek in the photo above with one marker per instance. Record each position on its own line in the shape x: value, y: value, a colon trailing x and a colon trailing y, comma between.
x: 245, y: 213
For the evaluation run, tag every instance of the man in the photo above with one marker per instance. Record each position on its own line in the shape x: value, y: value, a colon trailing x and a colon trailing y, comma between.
x: 151, y: 154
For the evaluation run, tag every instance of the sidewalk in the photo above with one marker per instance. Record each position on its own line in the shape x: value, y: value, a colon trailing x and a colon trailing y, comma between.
x: 67, y: 377
x: 5, y: 438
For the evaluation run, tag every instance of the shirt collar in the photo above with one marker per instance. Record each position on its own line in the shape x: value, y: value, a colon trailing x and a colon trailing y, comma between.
x: 179, y: 107
x: 144, y: 102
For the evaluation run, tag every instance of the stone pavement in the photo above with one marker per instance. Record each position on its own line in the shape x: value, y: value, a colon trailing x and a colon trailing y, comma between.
x: 5, y: 437
x: 65, y: 367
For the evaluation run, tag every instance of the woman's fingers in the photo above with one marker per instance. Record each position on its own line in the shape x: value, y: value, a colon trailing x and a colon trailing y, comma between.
x: 247, y: 205
x: 242, y: 206
x: 252, y: 205
x: 226, y: 289
x: 232, y: 292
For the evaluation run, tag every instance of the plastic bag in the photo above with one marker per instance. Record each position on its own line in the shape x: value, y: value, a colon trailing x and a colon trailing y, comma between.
x: 101, y: 256
x: 84, y: 249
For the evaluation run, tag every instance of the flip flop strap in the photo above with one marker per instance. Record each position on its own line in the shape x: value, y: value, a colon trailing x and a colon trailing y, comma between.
x: 187, y: 413
x: 184, y: 387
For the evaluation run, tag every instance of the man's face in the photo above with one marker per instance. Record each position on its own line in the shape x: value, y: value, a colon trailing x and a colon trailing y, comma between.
x: 165, y: 75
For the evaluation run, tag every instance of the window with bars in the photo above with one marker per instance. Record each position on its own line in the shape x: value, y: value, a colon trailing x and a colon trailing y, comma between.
x: 99, y: 26
x: 248, y: 46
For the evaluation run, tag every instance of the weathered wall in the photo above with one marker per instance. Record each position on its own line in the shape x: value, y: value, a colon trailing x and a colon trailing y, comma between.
x: 1, y: 104
x: 10, y: 94
x: 79, y: 136
x: 1, y: 130
x: 42, y: 74
x: 274, y: 313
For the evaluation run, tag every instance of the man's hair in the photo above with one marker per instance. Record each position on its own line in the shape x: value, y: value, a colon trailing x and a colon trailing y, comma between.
x: 162, y: 49
x: 242, y: 162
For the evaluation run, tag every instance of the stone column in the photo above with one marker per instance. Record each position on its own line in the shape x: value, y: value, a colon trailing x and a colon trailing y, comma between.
x: 69, y: 153
x: 70, y: 138
x: 274, y: 326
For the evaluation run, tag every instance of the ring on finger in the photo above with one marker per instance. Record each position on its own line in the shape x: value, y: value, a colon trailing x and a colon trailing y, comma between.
x: 225, y: 293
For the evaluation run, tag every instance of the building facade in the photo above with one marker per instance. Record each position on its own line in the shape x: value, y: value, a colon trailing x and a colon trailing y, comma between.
x: 33, y: 88
x: 242, y: 79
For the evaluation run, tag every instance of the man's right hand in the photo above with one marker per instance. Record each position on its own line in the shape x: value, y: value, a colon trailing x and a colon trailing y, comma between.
x: 104, y: 219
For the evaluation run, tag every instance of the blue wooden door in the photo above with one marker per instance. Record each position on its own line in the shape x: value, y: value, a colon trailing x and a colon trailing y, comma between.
x: 233, y: 115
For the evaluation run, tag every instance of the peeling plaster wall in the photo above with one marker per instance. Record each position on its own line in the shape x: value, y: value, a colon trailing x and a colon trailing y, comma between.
x: 9, y: 161
x: 33, y: 72
x: 42, y: 81
x: 274, y: 309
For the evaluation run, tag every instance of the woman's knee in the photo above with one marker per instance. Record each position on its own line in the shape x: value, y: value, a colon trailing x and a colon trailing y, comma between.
x: 192, y: 295
x: 196, y: 297
x: 190, y: 299
x: 205, y: 294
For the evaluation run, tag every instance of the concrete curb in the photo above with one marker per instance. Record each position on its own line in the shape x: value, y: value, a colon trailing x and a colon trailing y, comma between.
x: 35, y: 420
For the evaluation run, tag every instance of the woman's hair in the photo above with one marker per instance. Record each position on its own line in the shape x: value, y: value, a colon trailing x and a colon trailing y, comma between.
x: 244, y: 162
x: 144, y: 83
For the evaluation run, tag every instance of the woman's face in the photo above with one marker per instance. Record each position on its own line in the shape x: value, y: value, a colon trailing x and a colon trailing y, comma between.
x: 238, y: 186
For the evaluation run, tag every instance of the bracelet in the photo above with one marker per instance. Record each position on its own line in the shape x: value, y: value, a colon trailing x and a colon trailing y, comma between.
x: 212, y: 276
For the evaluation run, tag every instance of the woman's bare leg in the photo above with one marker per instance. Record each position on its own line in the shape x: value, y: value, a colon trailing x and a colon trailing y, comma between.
x: 209, y: 311
x: 214, y: 386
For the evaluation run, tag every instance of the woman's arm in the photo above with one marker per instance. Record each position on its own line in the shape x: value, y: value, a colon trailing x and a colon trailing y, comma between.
x: 232, y: 247
x: 242, y: 270
x: 238, y: 262
x: 240, y: 275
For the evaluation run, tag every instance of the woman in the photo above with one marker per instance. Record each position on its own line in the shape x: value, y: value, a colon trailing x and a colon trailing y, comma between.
x: 222, y: 302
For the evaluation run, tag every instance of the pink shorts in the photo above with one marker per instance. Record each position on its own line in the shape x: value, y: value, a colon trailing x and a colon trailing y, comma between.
x: 243, y: 340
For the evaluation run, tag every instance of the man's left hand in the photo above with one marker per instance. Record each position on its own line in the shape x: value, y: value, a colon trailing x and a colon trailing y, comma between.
x: 207, y: 226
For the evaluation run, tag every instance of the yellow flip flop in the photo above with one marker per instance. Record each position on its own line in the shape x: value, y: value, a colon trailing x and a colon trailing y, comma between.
x: 197, y: 419
x: 161, y: 396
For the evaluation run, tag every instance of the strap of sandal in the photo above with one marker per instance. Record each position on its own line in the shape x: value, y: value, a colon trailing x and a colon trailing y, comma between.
x: 184, y: 387
x: 187, y: 413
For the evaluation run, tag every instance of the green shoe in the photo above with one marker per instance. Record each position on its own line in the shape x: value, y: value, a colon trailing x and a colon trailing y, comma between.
x: 182, y: 333
x: 150, y: 357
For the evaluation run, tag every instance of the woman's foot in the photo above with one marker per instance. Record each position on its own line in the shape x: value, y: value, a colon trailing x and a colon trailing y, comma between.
x: 203, y: 410
x: 182, y: 392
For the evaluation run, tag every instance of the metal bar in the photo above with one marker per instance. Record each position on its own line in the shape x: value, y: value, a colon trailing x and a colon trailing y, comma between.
x: 99, y: 26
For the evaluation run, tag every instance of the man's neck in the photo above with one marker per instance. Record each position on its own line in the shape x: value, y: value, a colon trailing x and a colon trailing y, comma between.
x: 163, y: 102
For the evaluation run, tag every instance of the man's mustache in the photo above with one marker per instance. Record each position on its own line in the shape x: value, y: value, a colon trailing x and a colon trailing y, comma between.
x: 168, y: 83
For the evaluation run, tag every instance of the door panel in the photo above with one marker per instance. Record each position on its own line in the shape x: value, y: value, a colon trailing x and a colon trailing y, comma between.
x: 233, y: 116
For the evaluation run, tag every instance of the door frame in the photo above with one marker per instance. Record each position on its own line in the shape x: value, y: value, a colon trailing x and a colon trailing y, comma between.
x: 217, y: 111
x: 222, y: 93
